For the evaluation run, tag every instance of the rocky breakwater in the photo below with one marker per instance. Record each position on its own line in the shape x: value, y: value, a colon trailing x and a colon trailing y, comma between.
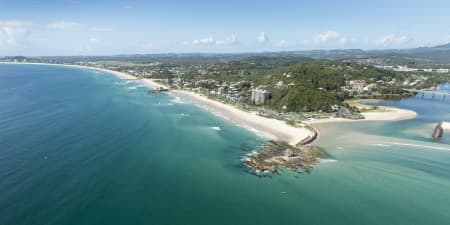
x: 438, y: 132
x: 273, y: 155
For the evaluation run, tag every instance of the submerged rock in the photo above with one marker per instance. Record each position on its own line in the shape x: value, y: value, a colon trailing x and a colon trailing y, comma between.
x: 274, y: 155
x: 438, y: 132
x: 157, y: 90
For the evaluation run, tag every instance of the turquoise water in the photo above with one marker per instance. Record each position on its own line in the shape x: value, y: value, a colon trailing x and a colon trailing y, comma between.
x: 84, y: 147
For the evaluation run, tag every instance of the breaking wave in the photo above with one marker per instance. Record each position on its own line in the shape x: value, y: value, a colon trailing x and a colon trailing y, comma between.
x: 216, y: 128
x: 327, y: 160
x: 420, y: 146
x: 381, y: 145
x: 177, y: 100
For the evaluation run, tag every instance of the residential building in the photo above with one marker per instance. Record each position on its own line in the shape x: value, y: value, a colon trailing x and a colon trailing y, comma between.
x: 260, y: 96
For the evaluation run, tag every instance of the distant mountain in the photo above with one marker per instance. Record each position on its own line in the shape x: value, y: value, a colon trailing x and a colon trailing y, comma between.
x: 439, y: 54
x: 445, y: 46
x: 424, y: 55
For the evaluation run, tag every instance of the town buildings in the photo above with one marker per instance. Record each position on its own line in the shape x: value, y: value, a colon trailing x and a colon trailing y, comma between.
x: 260, y: 96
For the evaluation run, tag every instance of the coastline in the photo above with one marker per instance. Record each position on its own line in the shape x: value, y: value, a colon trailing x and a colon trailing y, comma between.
x: 294, y: 136
x: 277, y: 128
x: 382, y: 113
x: 122, y: 75
x: 280, y: 129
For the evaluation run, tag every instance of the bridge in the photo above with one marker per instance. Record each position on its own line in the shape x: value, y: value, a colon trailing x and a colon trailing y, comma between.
x: 434, y: 94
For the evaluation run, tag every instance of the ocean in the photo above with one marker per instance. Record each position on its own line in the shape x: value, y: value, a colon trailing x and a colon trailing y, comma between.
x: 81, y: 146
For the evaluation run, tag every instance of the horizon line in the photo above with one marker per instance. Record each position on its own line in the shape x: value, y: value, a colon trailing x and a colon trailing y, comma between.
x: 232, y: 53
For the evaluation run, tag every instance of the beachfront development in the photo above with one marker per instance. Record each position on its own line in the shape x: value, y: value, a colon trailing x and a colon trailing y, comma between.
x: 228, y: 112
x: 246, y: 104
x: 284, y: 102
x: 283, y: 95
x: 249, y: 104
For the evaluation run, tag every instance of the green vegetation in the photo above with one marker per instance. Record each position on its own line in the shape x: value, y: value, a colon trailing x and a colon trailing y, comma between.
x: 301, y: 99
x: 309, y: 81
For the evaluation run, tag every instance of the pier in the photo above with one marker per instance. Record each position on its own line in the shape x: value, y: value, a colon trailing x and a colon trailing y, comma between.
x: 434, y: 94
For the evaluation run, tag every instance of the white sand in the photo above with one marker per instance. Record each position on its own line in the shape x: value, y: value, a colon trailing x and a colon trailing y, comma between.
x: 383, y: 113
x: 389, y: 114
x: 152, y: 83
x: 121, y: 75
x: 277, y: 128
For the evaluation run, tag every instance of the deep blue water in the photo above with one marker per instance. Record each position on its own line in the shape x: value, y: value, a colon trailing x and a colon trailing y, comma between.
x: 84, y: 147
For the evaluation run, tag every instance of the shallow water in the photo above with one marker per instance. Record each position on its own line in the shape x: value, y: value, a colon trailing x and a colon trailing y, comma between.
x: 84, y: 147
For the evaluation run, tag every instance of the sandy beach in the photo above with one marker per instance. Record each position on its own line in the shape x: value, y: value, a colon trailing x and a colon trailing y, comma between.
x: 152, y: 83
x: 382, y: 113
x: 121, y: 75
x: 277, y: 128
x: 149, y: 82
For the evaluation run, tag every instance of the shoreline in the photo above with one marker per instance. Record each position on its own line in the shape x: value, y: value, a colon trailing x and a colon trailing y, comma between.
x: 382, y: 113
x: 121, y: 75
x: 294, y: 136
x: 277, y: 128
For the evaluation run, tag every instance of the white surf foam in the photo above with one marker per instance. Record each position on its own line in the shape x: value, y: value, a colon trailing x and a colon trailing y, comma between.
x: 327, y: 160
x: 216, y: 128
x: 258, y: 133
x: 420, y: 146
x: 381, y: 145
x: 177, y: 100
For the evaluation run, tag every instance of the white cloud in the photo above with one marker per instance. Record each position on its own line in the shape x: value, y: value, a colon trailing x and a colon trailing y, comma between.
x: 66, y: 25
x: 262, y: 38
x: 11, y: 32
x: 75, y: 26
x: 281, y: 44
x: 210, y: 41
x: 329, y: 37
x: 231, y: 40
x: 393, y: 40
x: 204, y: 41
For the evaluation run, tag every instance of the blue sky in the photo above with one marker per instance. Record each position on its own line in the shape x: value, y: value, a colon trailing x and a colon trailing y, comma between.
x: 89, y: 27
